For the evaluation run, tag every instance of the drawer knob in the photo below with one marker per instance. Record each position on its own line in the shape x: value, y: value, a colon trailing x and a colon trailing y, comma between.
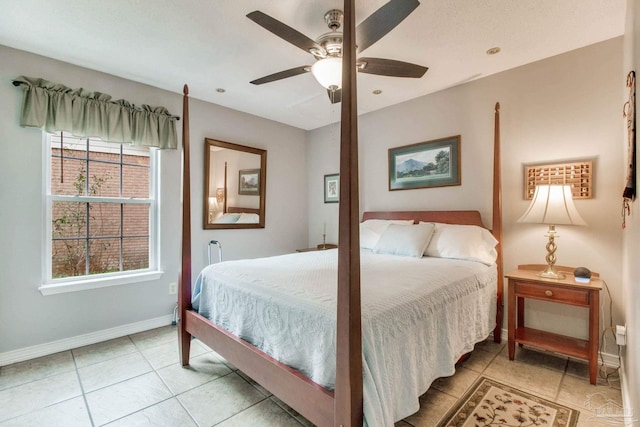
x: 548, y: 293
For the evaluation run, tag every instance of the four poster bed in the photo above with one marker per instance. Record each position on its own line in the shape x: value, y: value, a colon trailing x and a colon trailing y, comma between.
x: 275, y: 318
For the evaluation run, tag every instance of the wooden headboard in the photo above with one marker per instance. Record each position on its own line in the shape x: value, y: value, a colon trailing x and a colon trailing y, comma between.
x: 235, y: 209
x: 447, y: 217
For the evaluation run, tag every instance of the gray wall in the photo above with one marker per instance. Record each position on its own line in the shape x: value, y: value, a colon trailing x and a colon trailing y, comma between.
x: 28, y: 318
x: 565, y: 107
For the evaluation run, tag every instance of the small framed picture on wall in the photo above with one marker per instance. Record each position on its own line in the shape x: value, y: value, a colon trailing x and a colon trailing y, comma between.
x: 332, y: 188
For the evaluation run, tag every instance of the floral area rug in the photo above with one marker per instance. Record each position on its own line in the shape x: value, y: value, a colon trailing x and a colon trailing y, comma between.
x: 490, y: 403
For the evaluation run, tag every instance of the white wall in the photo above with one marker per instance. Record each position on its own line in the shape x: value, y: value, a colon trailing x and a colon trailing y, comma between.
x: 565, y: 107
x: 631, y: 235
x: 28, y: 318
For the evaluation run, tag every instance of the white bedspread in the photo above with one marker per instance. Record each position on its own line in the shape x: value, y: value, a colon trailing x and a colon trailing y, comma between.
x: 418, y: 317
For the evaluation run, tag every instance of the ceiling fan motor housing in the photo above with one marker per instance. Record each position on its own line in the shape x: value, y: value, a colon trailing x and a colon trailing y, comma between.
x: 334, y: 19
x: 331, y: 42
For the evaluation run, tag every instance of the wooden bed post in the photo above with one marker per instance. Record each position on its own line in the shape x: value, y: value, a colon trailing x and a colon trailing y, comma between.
x: 348, y: 389
x: 497, y: 223
x: 184, y: 278
x: 224, y: 207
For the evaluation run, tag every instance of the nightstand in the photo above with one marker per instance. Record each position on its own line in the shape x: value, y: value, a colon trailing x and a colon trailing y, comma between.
x: 524, y: 283
x: 320, y: 247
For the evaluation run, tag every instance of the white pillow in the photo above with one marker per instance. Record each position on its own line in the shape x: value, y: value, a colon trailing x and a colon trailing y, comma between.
x: 248, y: 218
x: 228, y: 218
x: 404, y: 240
x: 468, y: 242
x: 368, y: 237
x: 372, y: 229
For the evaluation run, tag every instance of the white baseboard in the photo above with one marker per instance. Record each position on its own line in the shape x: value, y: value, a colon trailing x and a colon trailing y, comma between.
x: 45, y: 349
x: 610, y: 360
x: 630, y: 419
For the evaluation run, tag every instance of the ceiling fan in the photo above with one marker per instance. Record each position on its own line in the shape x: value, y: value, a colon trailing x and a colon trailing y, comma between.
x: 327, y: 49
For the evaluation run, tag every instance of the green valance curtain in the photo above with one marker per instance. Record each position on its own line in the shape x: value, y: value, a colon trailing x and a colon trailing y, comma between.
x: 55, y: 107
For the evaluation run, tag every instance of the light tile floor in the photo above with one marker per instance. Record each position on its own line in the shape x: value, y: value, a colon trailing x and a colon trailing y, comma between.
x: 137, y: 381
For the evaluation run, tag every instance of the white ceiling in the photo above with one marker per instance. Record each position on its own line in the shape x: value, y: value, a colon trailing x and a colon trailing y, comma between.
x: 210, y: 44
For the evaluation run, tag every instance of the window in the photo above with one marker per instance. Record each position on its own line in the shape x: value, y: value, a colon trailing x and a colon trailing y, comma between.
x: 101, y: 209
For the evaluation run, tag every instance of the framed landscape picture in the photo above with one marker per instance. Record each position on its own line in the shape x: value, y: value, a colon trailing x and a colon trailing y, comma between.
x: 249, y: 182
x: 426, y: 164
x: 332, y: 188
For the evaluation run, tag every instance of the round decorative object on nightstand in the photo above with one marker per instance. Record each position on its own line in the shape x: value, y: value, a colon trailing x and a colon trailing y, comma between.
x: 582, y: 272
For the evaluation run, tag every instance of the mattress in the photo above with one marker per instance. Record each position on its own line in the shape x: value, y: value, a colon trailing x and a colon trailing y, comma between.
x: 419, y: 315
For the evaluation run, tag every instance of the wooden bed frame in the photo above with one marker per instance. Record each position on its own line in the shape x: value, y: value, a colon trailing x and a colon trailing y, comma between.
x: 324, y: 408
x: 235, y: 209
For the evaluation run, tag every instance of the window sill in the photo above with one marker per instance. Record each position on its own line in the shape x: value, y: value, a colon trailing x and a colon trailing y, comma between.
x: 98, y: 282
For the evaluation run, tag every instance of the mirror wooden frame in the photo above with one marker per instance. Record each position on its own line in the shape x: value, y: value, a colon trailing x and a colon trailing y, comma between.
x: 208, y: 224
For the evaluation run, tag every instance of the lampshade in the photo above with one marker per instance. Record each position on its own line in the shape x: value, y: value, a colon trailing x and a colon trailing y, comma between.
x: 552, y: 204
x: 328, y: 72
x: 213, y: 204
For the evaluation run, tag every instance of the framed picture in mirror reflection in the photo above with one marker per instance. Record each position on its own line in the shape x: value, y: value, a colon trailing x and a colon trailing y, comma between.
x: 249, y: 182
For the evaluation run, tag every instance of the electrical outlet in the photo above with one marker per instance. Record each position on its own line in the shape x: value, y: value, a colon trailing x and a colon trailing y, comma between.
x: 173, y: 288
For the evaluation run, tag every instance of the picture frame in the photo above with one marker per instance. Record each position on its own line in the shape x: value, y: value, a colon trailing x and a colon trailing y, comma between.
x: 332, y: 188
x: 249, y: 182
x: 428, y: 164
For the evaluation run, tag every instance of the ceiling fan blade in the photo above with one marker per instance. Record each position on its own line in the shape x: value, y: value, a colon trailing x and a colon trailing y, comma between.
x: 390, y: 67
x: 382, y: 21
x: 284, y: 31
x: 335, y: 96
x: 282, y: 75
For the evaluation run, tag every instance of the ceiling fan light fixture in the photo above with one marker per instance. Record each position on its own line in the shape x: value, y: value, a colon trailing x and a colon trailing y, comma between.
x: 328, y: 72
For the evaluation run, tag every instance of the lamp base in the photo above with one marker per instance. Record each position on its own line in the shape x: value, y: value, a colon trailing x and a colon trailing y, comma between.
x: 551, y: 274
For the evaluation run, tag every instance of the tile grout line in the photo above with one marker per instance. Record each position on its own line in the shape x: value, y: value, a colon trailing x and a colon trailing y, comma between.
x: 103, y: 360
x: 153, y: 369
x: 266, y: 397
x: 84, y: 395
x: 236, y: 414
x: 564, y: 374
x: 40, y: 408
x: 74, y: 369
x: 174, y: 395
x: 38, y: 378
x: 285, y: 409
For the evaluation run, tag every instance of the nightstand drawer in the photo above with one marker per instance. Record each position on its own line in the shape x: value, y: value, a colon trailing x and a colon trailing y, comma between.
x: 552, y: 293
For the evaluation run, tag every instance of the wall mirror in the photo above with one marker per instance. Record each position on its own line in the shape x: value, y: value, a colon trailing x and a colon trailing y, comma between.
x: 235, y: 179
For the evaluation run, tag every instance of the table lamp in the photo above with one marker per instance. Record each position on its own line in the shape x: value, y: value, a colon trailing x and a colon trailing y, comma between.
x: 552, y: 205
x: 213, y: 209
